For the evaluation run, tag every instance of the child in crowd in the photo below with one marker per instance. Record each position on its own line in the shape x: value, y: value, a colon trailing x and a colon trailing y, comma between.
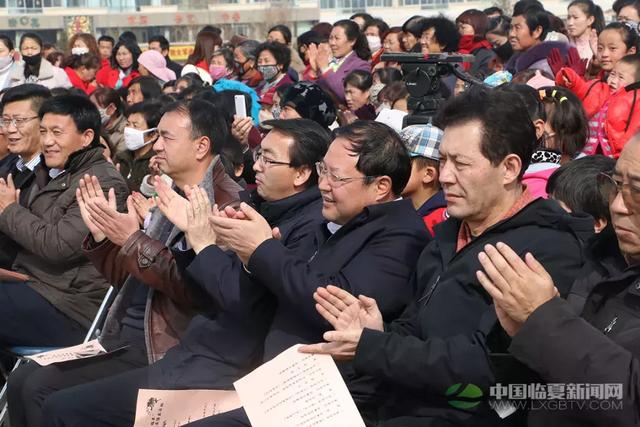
x: 423, y: 188
x: 575, y: 187
x: 610, y: 101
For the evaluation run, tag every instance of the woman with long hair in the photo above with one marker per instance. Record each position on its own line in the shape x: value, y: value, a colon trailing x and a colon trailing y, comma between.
x: 123, y: 67
x: 585, y: 22
x: 200, y: 60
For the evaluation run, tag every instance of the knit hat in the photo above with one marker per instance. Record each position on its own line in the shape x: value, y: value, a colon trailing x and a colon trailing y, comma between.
x: 311, y: 102
x: 156, y: 64
x: 422, y: 141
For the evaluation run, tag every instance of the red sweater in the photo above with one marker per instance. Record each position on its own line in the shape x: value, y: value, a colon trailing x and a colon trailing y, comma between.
x: 109, y: 77
x: 77, y: 82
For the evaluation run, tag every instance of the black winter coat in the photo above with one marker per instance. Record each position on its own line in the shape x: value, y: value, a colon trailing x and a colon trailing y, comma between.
x: 449, y: 333
x: 601, y: 346
x: 374, y: 254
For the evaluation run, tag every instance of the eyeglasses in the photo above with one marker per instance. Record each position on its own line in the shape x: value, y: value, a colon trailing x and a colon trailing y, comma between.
x: 610, y: 187
x: 18, y: 122
x: 334, y: 179
x: 265, y: 161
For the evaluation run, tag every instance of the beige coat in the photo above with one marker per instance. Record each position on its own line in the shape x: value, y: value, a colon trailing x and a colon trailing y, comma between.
x: 49, y: 75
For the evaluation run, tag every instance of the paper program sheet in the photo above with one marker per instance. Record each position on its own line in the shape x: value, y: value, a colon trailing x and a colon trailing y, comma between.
x: 174, y: 408
x: 300, y: 390
x: 81, y: 351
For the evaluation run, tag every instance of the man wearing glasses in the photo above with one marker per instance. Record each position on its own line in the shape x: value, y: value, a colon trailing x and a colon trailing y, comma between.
x: 21, y: 127
x: 600, y: 344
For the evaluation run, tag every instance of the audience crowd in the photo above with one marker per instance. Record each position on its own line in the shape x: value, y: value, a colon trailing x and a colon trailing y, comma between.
x: 467, y: 267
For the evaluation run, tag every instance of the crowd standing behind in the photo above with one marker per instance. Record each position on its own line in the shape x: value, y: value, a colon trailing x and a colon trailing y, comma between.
x: 491, y: 245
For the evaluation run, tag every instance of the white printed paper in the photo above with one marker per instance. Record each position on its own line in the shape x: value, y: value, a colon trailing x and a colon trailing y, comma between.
x: 391, y: 118
x: 296, y: 389
x: 174, y: 408
x: 81, y: 351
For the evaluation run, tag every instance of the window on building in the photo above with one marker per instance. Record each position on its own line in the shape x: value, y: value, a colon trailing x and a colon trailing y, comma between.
x: 241, y: 29
x: 379, y: 3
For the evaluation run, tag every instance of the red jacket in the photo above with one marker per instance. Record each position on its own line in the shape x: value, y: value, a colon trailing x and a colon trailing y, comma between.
x: 593, y: 93
x: 77, y: 82
x: 109, y: 77
x: 623, y: 115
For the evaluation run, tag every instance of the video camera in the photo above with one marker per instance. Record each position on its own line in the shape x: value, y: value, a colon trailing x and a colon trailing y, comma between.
x: 423, y: 80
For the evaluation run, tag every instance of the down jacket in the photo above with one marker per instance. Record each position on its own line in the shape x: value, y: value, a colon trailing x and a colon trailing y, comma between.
x: 623, y: 115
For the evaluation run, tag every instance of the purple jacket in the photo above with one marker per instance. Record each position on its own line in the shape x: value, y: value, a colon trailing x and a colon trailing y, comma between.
x: 536, y: 57
x: 334, y: 81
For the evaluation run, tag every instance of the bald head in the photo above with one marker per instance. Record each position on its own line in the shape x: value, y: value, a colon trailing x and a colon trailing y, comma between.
x: 625, y: 205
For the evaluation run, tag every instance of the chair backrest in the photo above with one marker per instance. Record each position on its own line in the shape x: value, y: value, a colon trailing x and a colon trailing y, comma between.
x: 93, y: 331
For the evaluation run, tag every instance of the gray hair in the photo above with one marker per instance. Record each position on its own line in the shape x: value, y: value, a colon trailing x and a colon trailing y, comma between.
x: 248, y: 48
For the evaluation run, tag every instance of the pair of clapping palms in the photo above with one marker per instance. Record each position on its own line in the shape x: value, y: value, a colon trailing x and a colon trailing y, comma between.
x: 241, y: 230
x: 518, y: 287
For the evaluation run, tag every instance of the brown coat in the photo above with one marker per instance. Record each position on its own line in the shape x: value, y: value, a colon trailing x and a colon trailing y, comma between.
x: 50, y: 232
x: 170, y: 303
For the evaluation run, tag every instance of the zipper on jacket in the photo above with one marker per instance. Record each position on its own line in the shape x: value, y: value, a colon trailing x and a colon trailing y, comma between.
x: 429, y: 294
x: 611, y: 325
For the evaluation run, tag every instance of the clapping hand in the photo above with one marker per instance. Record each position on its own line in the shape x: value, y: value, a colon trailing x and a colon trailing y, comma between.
x: 172, y: 205
x: 199, y: 232
x: 8, y: 193
x: 349, y: 316
x: 517, y: 287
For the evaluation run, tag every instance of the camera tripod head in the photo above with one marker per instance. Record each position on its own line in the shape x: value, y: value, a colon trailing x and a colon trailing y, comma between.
x: 423, y: 80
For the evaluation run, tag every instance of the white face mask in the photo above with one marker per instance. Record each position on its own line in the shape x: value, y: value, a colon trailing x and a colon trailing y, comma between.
x: 79, y: 50
x: 104, y: 117
x: 134, y: 138
x: 374, y: 43
x: 5, y: 61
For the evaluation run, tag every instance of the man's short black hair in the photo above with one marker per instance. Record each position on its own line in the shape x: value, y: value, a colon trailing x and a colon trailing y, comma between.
x: 82, y: 111
x: 506, y: 125
x: 206, y: 120
x: 129, y: 36
x: 365, y: 16
x: 280, y: 52
x: 37, y: 94
x: 107, y: 39
x: 575, y: 185
x: 618, y: 5
x: 311, y: 142
x: 520, y: 6
x: 445, y: 32
x: 150, y: 110
x: 493, y: 9
x: 537, y: 17
x: 380, y: 152
x: 162, y: 40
